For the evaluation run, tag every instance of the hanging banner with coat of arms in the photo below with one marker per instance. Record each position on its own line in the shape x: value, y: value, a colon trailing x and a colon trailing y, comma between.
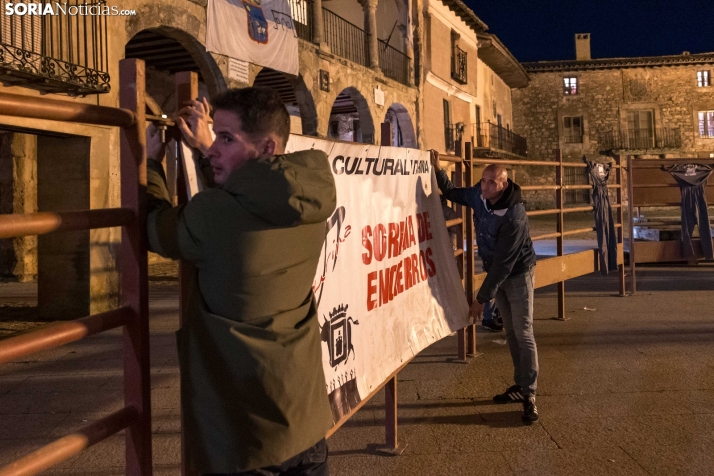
x: 387, y: 285
x: 258, y: 31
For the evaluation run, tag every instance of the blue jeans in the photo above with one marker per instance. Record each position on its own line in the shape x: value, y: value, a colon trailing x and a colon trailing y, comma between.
x: 488, y: 310
x: 514, y: 299
x: 311, y: 462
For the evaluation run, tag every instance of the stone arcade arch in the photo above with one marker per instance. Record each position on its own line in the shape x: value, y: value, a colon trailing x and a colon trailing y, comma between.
x: 169, y: 50
x: 296, y: 97
x: 350, y: 118
x: 402, y: 127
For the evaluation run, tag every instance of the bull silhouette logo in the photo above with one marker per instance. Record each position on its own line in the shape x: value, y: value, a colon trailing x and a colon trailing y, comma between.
x: 337, y: 333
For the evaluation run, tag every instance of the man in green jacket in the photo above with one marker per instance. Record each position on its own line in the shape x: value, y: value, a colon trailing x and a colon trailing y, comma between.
x: 252, y: 386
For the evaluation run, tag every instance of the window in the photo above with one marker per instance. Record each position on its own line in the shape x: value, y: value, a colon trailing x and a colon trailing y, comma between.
x: 640, y: 129
x: 703, y: 79
x: 459, y: 61
x: 706, y: 124
x: 570, y: 86
x: 573, y: 129
x: 495, y: 111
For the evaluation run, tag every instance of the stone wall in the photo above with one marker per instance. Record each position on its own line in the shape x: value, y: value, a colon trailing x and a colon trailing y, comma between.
x: 603, y: 100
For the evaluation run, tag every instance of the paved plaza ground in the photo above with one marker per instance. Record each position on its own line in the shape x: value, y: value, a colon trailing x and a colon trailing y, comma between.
x: 625, y: 387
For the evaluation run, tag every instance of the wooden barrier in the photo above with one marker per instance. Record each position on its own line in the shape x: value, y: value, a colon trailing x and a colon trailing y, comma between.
x: 135, y: 417
x: 650, y: 186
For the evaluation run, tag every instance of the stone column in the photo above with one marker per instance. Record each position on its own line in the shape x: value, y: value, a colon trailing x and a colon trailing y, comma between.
x: 318, y: 26
x: 370, y: 28
x: 18, y: 194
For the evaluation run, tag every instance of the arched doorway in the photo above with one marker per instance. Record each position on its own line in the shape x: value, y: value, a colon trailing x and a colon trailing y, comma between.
x: 295, y: 96
x: 350, y: 118
x: 402, y: 127
x: 167, y: 51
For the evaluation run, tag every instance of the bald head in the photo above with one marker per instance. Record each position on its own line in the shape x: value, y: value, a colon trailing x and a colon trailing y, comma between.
x: 494, y: 181
x: 497, y: 170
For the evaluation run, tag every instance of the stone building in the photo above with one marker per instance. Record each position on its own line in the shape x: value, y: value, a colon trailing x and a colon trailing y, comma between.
x: 356, y: 72
x: 650, y: 107
x: 466, y: 93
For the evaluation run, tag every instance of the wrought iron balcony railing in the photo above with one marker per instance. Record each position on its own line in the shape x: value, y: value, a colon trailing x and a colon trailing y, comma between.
x: 344, y: 38
x: 59, y: 53
x: 348, y: 40
x: 640, y: 139
x: 459, y: 65
x: 394, y: 63
x: 302, y: 18
x: 493, y: 136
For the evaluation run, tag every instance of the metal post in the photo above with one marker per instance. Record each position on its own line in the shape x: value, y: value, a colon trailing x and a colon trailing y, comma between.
x: 386, y: 139
x: 186, y: 84
x: 134, y: 269
x: 462, y: 333
x: 620, y: 221
x: 560, y: 227
x: 631, y: 222
x: 463, y: 212
x: 390, y: 388
x: 470, y: 268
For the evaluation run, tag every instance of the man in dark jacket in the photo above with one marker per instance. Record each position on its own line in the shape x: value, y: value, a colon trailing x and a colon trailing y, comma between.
x: 505, y: 246
x: 252, y: 385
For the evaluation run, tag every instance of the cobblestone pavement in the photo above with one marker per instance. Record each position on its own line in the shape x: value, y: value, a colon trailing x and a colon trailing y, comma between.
x: 626, y: 386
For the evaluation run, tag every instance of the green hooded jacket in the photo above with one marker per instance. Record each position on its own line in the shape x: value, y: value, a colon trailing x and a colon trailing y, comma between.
x: 252, y: 386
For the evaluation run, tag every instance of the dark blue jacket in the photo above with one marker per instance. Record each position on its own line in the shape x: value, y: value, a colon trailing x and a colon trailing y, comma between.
x: 503, y: 236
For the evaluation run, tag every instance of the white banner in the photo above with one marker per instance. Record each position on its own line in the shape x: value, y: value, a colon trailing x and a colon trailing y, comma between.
x: 387, y: 285
x: 258, y: 31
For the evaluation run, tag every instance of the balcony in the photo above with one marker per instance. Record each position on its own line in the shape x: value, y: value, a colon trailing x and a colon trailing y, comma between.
x: 459, y: 65
x: 640, y: 139
x: 59, y: 53
x: 393, y: 63
x: 494, y: 140
x: 349, y: 41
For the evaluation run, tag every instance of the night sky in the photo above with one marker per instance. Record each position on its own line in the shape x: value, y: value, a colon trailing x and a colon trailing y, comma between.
x: 540, y: 30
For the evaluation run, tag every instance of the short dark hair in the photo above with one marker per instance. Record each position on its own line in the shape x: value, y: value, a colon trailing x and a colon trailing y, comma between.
x: 260, y: 110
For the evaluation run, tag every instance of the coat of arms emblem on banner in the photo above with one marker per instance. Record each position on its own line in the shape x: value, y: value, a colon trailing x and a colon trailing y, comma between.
x: 257, y: 24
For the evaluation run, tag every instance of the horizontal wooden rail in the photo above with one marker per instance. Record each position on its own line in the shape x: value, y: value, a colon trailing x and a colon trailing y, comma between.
x: 578, y: 231
x: 454, y: 221
x: 545, y: 237
x: 56, y: 334
x: 541, y: 163
x: 538, y: 163
x: 32, y: 107
x: 458, y: 252
x: 654, y: 185
x: 14, y: 225
x: 549, y: 211
x: 530, y: 188
x: 70, y: 445
x: 450, y: 158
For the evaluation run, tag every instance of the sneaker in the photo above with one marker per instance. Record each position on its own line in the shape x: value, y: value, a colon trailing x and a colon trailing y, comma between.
x: 492, y: 325
x: 530, y: 411
x: 497, y: 316
x: 512, y: 395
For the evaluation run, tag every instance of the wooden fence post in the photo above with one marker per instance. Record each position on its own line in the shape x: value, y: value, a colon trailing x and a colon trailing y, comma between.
x: 134, y: 269
x: 186, y: 84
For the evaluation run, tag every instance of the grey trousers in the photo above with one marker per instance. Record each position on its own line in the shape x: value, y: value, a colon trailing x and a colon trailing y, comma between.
x: 514, y: 299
